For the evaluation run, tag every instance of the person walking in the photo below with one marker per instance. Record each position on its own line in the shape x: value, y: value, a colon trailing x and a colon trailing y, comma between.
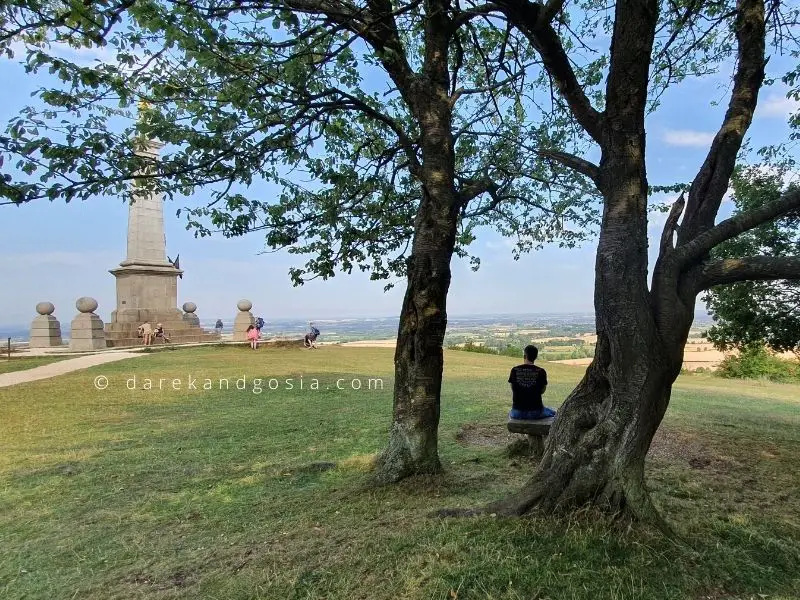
x: 145, y: 330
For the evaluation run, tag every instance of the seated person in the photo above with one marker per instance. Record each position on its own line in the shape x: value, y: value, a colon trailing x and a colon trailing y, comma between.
x: 528, y: 383
x: 159, y: 332
x: 310, y: 339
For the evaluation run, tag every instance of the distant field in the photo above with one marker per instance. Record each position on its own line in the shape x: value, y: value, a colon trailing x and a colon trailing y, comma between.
x: 233, y: 494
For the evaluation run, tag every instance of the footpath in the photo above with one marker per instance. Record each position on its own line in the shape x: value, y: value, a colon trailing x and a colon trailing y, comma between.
x: 63, y: 367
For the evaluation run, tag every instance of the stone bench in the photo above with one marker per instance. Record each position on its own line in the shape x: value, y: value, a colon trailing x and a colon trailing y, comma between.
x: 536, y: 430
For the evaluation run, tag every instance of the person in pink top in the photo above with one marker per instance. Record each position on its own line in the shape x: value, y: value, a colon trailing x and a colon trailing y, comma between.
x: 252, y: 335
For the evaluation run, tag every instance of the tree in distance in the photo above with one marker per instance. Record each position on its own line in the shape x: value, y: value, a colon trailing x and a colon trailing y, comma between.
x: 754, y: 314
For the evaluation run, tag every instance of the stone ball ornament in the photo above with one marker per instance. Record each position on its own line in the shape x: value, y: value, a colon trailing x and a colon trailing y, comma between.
x: 45, y: 308
x: 86, y: 304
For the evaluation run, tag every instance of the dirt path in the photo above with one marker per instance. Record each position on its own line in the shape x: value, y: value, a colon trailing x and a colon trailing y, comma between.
x: 62, y: 367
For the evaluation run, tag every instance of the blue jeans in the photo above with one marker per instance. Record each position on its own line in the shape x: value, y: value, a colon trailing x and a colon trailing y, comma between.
x: 531, y: 415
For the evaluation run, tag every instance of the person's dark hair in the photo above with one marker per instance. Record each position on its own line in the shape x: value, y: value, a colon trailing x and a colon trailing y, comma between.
x: 531, y: 352
x: 249, y: 327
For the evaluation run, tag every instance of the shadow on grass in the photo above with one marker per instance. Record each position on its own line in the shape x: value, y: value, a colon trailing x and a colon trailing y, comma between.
x: 233, y: 494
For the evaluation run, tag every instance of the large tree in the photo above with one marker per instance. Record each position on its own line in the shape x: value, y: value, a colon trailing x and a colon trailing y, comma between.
x: 405, y: 118
x: 596, y: 451
x: 758, y: 313
x: 598, y: 444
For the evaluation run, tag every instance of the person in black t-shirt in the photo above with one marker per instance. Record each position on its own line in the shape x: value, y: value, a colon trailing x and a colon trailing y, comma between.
x: 528, y: 383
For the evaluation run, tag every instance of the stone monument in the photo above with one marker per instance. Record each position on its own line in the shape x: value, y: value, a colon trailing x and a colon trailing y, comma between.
x: 188, y: 314
x: 243, y: 320
x: 86, y: 329
x: 147, y: 282
x: 45, y: 329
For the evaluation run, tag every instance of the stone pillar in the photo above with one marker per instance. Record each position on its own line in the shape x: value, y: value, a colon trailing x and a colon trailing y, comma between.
x: 188, y: 314
x: 146, y: 240
x: 243, y: 320
x: 45, y: 329
x: 87, y: 328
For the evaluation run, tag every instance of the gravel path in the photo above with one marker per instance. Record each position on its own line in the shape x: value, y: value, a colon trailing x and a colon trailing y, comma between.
x: 62, y: 367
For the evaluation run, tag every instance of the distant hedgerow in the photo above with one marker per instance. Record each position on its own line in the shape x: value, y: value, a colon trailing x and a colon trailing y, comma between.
x: 756, y: 362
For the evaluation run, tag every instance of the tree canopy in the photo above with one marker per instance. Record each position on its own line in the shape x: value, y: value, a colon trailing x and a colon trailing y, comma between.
x: 758, y: 313
x: 316, y: 97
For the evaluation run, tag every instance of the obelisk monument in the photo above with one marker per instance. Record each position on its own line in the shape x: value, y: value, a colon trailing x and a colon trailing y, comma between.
x: 147, y: 282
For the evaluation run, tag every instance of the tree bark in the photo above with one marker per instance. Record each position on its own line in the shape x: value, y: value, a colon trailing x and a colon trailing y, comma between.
x: 419, y: 360
x: 596, y: 450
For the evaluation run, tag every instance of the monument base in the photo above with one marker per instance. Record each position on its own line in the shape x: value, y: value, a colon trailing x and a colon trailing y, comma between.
x: 45, y: 332
x: 148, y: 292
x: 122, y: 329
x: 86, y: 333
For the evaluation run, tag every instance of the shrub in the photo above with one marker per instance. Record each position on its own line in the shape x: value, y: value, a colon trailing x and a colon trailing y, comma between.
x: 755, y: 362
x: 470, y: 347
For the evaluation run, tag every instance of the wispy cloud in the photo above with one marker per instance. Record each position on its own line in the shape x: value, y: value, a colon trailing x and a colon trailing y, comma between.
x: 83, y: 57
x: 777, y: 106
x: 688, y: 138
x: 47, y: 259
x: 502, y: 244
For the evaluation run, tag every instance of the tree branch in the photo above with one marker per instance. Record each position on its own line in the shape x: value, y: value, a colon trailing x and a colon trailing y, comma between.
x: 576, y: 163
x: 730, y: 228
x: 549, y: 11
x: 473, y: 188
x: 465, y: 16
x: 528, y: 17
x: 752, y: 268
x: 670, y: 225
x: 711, y: 182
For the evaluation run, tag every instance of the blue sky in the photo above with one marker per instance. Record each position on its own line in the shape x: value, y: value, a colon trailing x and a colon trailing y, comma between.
x: 58, y: 252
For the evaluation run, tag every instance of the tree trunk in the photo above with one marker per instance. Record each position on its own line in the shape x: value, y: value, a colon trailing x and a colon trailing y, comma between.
x: 419, y: 360
x: 596, y: 450
x: 597, y: 447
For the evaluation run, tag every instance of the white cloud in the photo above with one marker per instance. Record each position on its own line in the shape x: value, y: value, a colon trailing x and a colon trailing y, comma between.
x: 84, y: 57
x: 777, y: 106
x: 687, y: 137
x: 502, y: 244
x: 728, y: 196
x: 46, y: 259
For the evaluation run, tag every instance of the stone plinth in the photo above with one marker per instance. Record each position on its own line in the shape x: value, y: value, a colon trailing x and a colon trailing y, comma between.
x: 144, y: 291
x: 191, y: 319
x: 45, y: 329
x: 243, y: 320
x: 86, y: 329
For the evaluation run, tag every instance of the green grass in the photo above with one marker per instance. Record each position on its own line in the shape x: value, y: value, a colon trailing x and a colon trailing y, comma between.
x: 20, y: 363
x: 121, y: 493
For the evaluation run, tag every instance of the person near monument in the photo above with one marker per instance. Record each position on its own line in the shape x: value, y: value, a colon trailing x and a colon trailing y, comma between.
x: 159, y: 332
x: 219, y: 326
x: 310, y: 339
x: 145, y: 330
x: 259, y: 325
x: 252, y: 335
x: 528, y: 383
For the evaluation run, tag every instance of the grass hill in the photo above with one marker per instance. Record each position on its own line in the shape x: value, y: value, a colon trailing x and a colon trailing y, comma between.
x: 238, y: 494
